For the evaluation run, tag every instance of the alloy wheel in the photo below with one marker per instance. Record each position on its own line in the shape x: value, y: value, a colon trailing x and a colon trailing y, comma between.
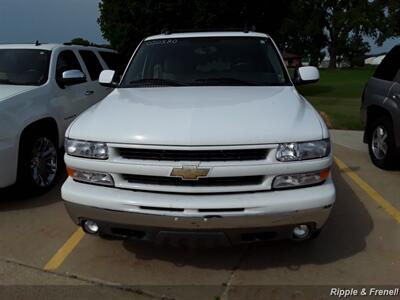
x: 44, y: 162
x: 379, y: 142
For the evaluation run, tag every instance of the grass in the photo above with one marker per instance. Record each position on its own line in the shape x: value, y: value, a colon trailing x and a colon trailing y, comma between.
x: 338, y: 94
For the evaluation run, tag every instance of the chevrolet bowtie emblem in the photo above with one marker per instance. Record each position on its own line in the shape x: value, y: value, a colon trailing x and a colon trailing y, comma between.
x: 190, y: 172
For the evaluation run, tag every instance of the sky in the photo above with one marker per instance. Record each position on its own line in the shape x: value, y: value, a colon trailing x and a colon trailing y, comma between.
x: 49, y: 21
x: 58, y: 21
x: 385, y: 47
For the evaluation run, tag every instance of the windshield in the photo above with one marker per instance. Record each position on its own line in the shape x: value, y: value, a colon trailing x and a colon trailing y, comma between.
x: 216, y: 61
x: 24, y: 66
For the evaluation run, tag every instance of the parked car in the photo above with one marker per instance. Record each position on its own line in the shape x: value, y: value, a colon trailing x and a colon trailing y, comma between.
x: 380, y: 111
x: 43, y: 87
x: 205, y: 135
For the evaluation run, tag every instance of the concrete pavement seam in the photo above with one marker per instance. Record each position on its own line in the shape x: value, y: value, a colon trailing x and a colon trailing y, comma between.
x: 89, y: 280
x: 224, y: 295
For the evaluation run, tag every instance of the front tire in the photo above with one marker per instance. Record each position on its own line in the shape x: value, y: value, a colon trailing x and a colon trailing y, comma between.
x: 381, y: 145
x: 38, y: 163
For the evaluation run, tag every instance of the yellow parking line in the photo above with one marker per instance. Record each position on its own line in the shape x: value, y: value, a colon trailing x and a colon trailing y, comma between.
x: 65, y: 250
x: 389, y: 208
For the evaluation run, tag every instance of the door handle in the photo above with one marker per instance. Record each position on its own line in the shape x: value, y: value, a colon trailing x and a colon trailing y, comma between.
x: 88, y: 93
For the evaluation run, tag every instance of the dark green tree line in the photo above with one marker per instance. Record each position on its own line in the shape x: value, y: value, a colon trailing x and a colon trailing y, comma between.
x: 306, y: 27
x: 125, y: 23
x: 340, y: 26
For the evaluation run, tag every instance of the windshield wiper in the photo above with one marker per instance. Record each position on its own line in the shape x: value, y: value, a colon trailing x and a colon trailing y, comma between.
x: 226, y: 80
x: 151, y: 82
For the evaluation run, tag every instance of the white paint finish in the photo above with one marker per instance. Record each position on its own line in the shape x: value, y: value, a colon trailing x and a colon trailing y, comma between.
x: 20, y: 106
x: 8, y: 91
x: 254, y: 203
x: 206, y: 34
x: 308, y: 74
x: 204, y: 117
x: 30, y: 46
x: 200, y: 116
x: 269, y: 169
x: 106, y: 76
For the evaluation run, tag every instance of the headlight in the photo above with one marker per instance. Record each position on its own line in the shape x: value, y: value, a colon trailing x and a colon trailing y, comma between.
x: 303, y: 151
x: 91, y: 177
x: 86, y: 149
x: 300, y: 180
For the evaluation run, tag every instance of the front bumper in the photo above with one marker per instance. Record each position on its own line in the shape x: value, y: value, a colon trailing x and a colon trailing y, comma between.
x: 148, y: 215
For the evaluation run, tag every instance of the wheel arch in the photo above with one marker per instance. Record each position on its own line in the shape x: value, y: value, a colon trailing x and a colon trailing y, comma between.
x: 48, y: 125
x: 375, y: 112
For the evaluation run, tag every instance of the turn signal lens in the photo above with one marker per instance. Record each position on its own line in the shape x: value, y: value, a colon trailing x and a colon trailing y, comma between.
x: 324, y: 174
x: 70, y: 172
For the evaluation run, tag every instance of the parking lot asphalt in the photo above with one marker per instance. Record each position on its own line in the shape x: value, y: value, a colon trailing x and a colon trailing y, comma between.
x: 360, y: 246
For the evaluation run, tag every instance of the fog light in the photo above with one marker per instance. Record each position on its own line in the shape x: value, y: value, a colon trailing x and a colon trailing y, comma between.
x: 90, y: 227
x: 301, y: 232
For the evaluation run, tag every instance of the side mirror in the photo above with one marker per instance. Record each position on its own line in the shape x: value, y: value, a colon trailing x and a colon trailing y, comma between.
x: 108, y: 78
x: 305, y: 75
x: 72, y: 77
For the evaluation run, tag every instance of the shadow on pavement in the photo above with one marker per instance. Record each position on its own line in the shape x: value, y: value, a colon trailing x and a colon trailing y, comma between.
x: 343, y: 236
x: 15, y: 198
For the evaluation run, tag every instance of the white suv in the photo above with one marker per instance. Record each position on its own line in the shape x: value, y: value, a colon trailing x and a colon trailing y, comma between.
x: 205, y: 136
x: 43, y: 87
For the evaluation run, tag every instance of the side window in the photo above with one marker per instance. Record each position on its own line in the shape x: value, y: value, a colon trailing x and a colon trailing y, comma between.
x: 66, y: 61
x: 113, y: 61
x: 92, y: 63
x: 390, y: 65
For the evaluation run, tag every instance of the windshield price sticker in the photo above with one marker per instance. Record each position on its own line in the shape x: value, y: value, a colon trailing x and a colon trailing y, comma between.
x: 346, y: 293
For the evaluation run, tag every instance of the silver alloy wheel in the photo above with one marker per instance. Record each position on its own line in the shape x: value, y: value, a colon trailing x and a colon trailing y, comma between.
x: 379, y: 142
x: 44, y: 162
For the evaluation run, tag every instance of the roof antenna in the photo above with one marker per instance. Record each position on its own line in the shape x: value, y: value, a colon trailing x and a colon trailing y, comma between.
x: 248, y: 29
x: 165, y: 31
x: 37, y: 43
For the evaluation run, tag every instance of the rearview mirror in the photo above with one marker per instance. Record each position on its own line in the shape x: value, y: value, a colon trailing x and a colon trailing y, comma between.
x: 305, y: 75
x: 108, y: 78
x: 73, y: 77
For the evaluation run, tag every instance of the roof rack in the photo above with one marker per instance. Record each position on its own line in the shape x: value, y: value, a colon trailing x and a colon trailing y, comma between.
x: 246, y: 29
x: 72, y: 44
x: 36, y: 43
x: 91, y: 45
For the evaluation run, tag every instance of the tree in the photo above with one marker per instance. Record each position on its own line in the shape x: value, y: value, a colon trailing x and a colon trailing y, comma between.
x: 393, y: 17
x: 346, y: 19
x: 354, y: 50
x: 126, y: 22
x: 80, y: 41
x: 338, y: 25
x: 303, y: 34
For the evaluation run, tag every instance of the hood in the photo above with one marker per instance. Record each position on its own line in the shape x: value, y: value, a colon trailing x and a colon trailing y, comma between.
x: 200, y: 116
x: 8, y: 91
